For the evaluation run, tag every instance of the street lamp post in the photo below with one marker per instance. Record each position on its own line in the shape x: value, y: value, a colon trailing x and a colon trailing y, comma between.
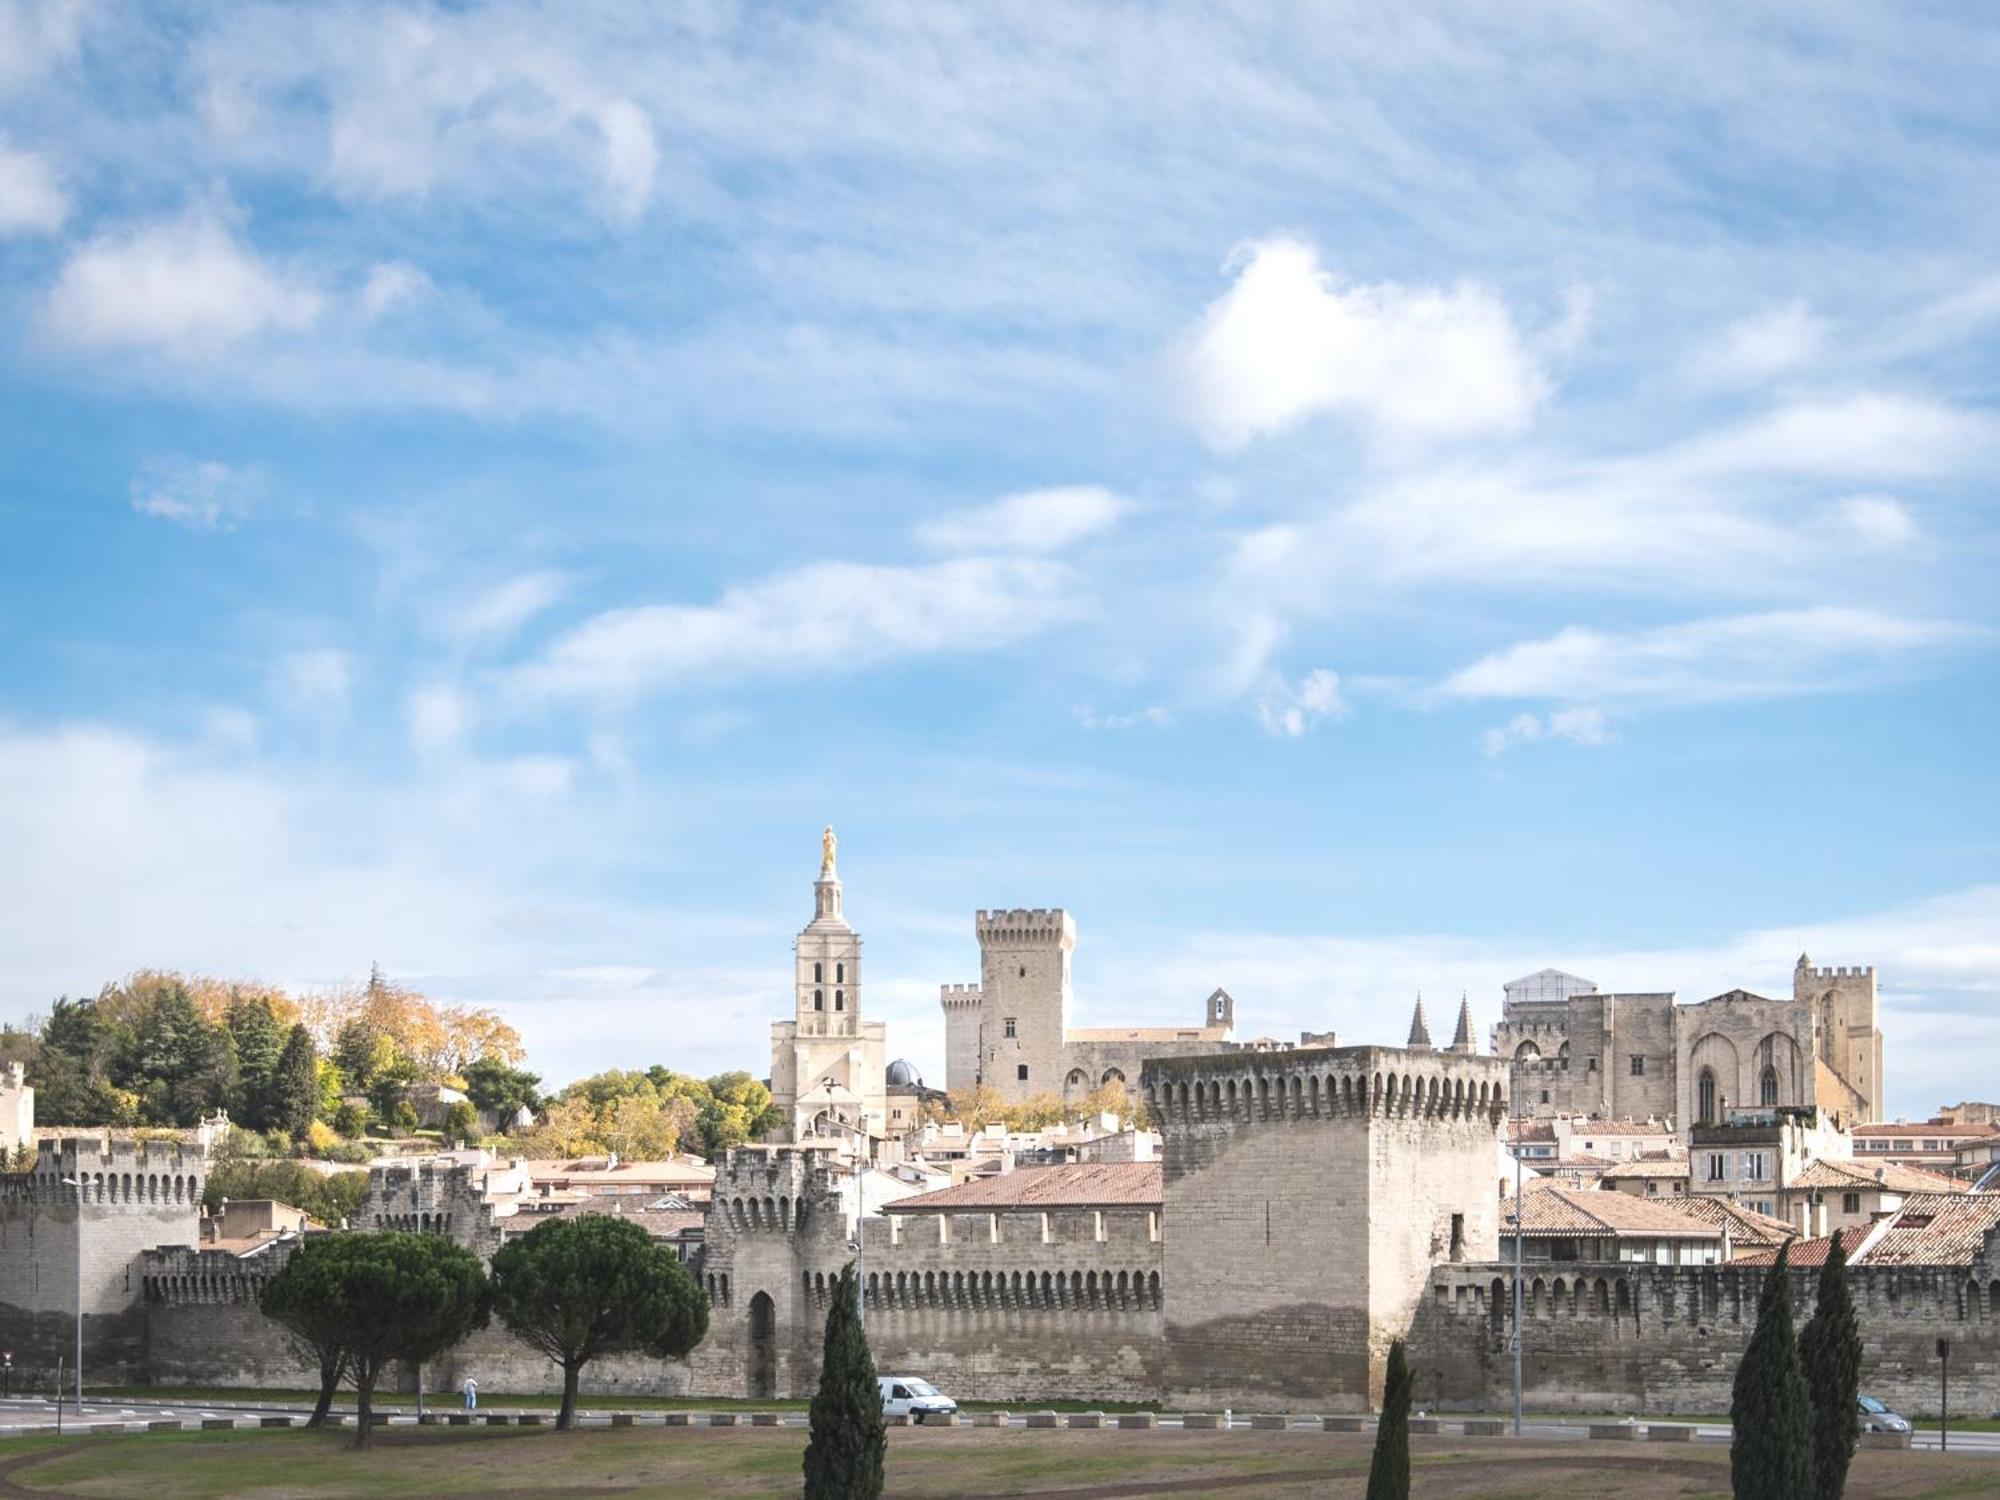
x: 860, y: 1210
x: 77, y: 1183
x: 1519, y: 1239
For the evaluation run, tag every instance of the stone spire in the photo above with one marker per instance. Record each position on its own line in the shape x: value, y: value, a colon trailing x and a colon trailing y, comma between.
x: 1464, y: 1040
x: 1420, y: 1029
x: 826, y: 890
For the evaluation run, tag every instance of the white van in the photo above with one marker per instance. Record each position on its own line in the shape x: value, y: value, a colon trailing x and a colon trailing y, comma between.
x: 907, y: 1396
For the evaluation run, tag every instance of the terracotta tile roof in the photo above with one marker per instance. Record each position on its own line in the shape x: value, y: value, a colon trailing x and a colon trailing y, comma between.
x: 1935, y: 1129
x: 1888, y: 1176
x: 1132, y: 1184
x: 1650, y: 1166
x: 1745, y: 1225
x: 1559, y: 1212
x: 1937, y: 1229
x: 1810, y: 1254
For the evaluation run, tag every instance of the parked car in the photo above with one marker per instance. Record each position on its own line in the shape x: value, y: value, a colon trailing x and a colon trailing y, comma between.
x: 1875, y: 1417
x: 907, y: 1396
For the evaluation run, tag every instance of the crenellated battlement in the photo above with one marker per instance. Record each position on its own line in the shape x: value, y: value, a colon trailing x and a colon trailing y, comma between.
x: 1025, y: 925
x: 960, y: 996
x: 1327, y: 1083
x: 1843, y: 971
x: 109, y: 1171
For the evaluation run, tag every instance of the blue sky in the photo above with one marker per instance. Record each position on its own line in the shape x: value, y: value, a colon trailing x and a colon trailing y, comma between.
x: 1347, y: 501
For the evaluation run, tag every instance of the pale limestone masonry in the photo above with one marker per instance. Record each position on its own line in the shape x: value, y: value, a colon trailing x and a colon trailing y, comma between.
x: 17, y: 1110
x: 826, y: 1060
x: 1011, y: 1032
x: 1575, y: 1051
x: 133, y: 1197
x: 1308, y: 1194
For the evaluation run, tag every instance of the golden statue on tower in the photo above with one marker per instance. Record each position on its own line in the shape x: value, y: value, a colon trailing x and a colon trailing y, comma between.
x: 828, y: 847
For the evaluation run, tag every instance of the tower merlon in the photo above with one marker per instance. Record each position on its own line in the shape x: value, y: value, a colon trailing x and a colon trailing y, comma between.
x: 1025, y: 925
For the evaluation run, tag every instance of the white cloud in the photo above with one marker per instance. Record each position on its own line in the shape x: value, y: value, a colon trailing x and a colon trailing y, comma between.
x: 37, y: 34
x: 1033, y: 521
x: 392, y: 284
x: 183, y: 286
x: 315, y: 683
x: 500, y: 611
x: 1780, y: 652
x: 200, y: 494
x: 1289, y: 709
x: 437, y: 717
x: 31, y: 200
x: 1874, y: 434
x: 1876, y: 521
x: 1153, y: 716
x: 1582, y: 725
x: 825, y: 617
x: 1289, y: 341
x: 1772, y: 343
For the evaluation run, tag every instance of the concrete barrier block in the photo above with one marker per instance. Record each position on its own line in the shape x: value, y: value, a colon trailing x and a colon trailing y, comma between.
x: 163, y: 1424
x: 274, y: 1421
x: 1615, y: 1432
x: 1201, y: 1421
x: 498, y: 1419
x: 943, y: 1419
x: 678, y: 1419
x: 1043, y: 1419
x: 530, y: 1419
x: 1669, y: 1432
x: 1139, y: 1420
x: 764, y: 1419
x: 458, y: 1419
x: 1885, y: 1440
x: 218, y: 1424
x: 992, y: 1419
x: 429, y: 1419
x: 1425, y: 1427
x: 624, y: 1419
x: 722, y: 1419
x: 1086, y: 1419
x: 1343, y: 1424
x: 1270, y: 1422
x: 896, y: 1419
x: 1485, y: 1427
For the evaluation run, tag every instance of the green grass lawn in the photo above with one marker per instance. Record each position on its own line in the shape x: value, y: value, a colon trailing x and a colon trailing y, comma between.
x: 924, y: 1464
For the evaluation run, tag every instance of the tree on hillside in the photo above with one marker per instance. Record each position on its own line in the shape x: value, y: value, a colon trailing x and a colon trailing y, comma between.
x: 69, y: 1070
x: 1830, y: 1354
x: 295, y: 1086
x: 391, y: 1297
x: 849, y: 1441
x: 305, y: 1298
x: 260, y: 1042
x: 1389, y: 1469
x: 500, y: 1090
x: 181, y: 1065
x: 461, y: 1123
x: 580, y: 1288
x: 1770, y: 1453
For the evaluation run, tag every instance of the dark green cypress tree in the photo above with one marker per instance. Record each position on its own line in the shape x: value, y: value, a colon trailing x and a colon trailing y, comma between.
x: 1389, y: 1470
x: 295, y: 1087
x: 1770, y: 1453
x: 849, y: 1441
x: 1830, y: 1351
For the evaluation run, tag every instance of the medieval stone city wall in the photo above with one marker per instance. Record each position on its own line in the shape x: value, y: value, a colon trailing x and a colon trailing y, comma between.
x: 1306, y: 1196
x: 133, y: 1196
x: 1664, y: 1339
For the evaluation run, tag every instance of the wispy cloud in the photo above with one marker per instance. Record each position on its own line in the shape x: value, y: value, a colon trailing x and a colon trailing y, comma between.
x: 31, y: 200
x: 1034, y: 521
x: 1289, y: 341
x: 824, y: 617
x: 1583, y: 725
x: 1773, y: 654
x: 200, y: 494
x: 496, y: 613
x: 316, y: 683
x: 1772, y: 343
x: 1290, y: 709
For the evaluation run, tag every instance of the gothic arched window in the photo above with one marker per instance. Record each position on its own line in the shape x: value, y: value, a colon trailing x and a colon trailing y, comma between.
x: 819, y: 1000
x: 816, y: 974
x: 1767, y: 1088
x: 839, y: 1000
x: 1705, y: 1101
x: 840, y: 973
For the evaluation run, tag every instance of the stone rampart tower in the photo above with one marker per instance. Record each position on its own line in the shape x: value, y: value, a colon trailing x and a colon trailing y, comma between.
x: 1306, y: 1197
x: 963, y: 1011
x: 1025, y: 1000
x: 132, y: 1198
x: 17, y: 1110
x: 1850, y: 1042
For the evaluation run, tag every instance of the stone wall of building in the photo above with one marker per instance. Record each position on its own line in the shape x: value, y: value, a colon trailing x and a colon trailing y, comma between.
x: 1666, y: 1339
x: 133, y: 1196
x: 1279, y: 1295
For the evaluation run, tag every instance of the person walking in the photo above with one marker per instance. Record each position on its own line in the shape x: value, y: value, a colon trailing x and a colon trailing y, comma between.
x: 471, y: 1394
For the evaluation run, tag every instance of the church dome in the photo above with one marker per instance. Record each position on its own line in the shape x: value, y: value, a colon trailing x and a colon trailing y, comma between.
x: 902, y: 1074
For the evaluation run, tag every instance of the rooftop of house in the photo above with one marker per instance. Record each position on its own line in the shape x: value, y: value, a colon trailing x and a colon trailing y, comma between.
x: 1811, y: 1254
x: 1133, y: 1184
x: 1745, y: 1225
x: 1938, y: 1129
x: 1831, y: 1175
x: 1662, y: 1167
x: 1937, y: 1229
x: 600, y: 1170
x: 1552, y: 1212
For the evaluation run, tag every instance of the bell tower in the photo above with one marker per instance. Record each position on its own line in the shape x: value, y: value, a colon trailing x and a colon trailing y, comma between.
x: 827, y: 957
